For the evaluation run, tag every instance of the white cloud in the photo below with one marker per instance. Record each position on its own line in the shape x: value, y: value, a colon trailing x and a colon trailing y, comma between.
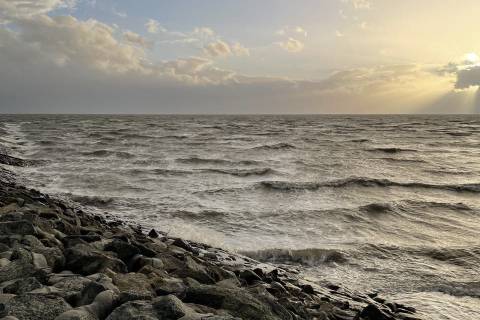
x: 292, y: 45
x: 221, y: 48
x: 359, y: 4
x: 12, y: 9
x: 292, y: 31
x: 153, y: 26
x: 339, y: 33
x: 136, y: 39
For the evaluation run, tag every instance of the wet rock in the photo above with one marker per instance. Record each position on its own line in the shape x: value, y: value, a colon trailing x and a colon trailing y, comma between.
x: 85, y: 260
x: 139, y: 261
x: 183, y: 244
x: 124, y: 250
x: 34, y: 307
x: 249, y: 277
x: 153, y: 234
x: 239, y: 302
x: 372, y: 312
x: 188, y: 267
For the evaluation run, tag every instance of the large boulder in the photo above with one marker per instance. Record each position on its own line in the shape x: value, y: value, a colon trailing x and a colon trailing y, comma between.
x: 162, y: 308
x: 240, y: 302
x: 21, y: 227
x: 133, y: 286
x: 34, y: 307
x: 86, y: 260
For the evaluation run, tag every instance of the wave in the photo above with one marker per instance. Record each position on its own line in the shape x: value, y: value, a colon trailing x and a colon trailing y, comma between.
x: 242, y: 172
x: 276, y: 146
x: 108, y: 153
x: 306, y: 257
x: 367, y: 182
x: 159, y: 171
x: 93, y: 201
x: 391, y: 150
x: 404, y: 160
x: 377, y: 207
x: 197, y: 160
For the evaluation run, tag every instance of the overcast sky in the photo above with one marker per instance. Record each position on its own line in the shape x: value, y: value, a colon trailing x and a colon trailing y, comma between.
x: 239, y: 56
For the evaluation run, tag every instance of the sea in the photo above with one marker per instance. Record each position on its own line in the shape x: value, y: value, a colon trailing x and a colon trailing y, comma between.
x: 375, y: 203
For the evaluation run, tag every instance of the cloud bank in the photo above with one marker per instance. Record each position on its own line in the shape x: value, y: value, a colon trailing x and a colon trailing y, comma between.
x: 61, y: 64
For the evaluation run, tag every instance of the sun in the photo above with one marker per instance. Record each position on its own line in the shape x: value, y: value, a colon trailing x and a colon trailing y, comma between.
x: 472, y: 57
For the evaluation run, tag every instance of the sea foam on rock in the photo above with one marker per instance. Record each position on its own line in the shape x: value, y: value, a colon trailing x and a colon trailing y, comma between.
x: 57, y: 262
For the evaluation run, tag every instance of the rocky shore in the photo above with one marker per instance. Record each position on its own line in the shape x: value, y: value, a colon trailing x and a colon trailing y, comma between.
x: 59, y: 262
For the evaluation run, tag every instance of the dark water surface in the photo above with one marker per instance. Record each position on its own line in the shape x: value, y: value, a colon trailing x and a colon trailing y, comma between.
x: 375, y: 203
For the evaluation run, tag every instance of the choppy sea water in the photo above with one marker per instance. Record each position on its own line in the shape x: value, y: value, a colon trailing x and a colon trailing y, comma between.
x: 375, y: 203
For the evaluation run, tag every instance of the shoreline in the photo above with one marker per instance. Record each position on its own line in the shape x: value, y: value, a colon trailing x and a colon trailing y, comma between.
x: 58, y: 262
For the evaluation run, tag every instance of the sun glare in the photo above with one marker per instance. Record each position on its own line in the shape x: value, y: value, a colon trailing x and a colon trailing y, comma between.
x: 472, y: 57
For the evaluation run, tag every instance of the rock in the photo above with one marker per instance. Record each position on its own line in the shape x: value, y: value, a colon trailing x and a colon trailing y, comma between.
x: 372, y: 312
x: 153, y: 234
x: 21, y: 227
x: 20, y: 267
x: 189, y: 268
x: 22, y: 286
x: 139, y: 261
x: 12, y: 207
x: 98, y: 309
x: 85, y: 260
x: 138, y: 310
x: 308, y: 289
x: 183, y: 244
x: 124, y: 250
x: 249, y: 277
x: 133, y: 286
x: 35, y: 306
x: 162, y: 308
x: 167, y: 285
x: 169, y: 307
x: 240, y: 302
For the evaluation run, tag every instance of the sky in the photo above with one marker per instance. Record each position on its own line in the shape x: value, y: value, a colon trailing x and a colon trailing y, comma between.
x: 239, y: 56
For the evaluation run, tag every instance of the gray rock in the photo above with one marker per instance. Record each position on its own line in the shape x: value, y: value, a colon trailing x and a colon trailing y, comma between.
x: 169, y: 307
x: 138, y: 310
x: 86, y: 260
x: 133, y: 286
x: 124, y: 250
x: 249, y: 277
x: 98, y: 309
x: 22, y: 286
x: 21, y: 227
x: 240, y: 302
x: 166, y: 285
x: 35, y: 306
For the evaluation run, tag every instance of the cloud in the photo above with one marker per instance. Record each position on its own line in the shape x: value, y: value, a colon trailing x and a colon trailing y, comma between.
x: 292, y: 31
x: 468, y: 78
x: 359, y: 4
x: 153, y: 26
x: 221, y: 48
x: 466, y: 72
x: 292, y: 45
x: 136, y: 39
x: 12, y: 9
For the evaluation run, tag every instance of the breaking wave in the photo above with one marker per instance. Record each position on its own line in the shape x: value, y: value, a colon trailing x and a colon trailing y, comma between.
x: 367, y: 182
x: 307, y: 257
